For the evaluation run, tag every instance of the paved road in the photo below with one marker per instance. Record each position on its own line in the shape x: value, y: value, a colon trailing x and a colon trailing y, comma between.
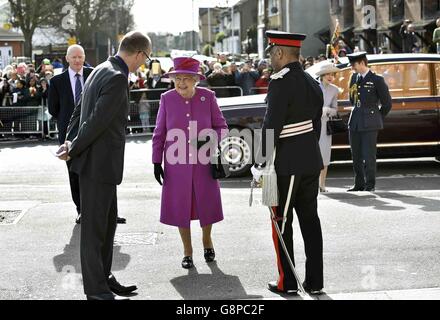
x: 384, y: 241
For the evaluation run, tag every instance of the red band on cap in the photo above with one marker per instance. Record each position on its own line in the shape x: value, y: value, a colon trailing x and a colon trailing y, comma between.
x: 286, y: 42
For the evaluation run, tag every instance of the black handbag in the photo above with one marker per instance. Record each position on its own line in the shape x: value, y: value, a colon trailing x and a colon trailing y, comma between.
x: 336, y: 125
x: 219, y: 170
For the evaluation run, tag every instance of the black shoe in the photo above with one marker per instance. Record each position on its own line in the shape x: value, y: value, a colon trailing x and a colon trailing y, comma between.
x: 370, y: 189
x: 187, y: 263
x: 78, y: 219
x: 120, y: 220
x: 273, y: 286
x: 313, y: 292
x: 119, y: 289
x: 356, y: 189
x: 209, y: 255
x: 106, y: 296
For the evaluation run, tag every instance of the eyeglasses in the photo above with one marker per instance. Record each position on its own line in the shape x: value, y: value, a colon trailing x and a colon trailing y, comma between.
x: 148, y: 60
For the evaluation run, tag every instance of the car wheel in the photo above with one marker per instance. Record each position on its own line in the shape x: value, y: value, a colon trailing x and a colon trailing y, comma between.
x: 236, y: 150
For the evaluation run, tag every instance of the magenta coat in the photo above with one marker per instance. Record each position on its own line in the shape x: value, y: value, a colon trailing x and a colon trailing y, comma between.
x: 189, y: 191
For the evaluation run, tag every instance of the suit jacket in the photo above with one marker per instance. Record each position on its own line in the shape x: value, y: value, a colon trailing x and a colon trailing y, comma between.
x: 294, y: 98
x: 97, y: 150
x: 366, y: 96
x: 61, y: 100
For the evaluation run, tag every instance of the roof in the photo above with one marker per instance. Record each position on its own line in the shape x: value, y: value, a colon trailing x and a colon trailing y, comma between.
x: 241, y: 101
x: 383, y: 58
x: 11, y: 35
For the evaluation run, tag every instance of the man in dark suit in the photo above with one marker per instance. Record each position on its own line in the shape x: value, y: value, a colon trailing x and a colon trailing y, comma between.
x: 64, y: 93
x: 371, y: 99
x: 294, y: 110
x: 97, y: 154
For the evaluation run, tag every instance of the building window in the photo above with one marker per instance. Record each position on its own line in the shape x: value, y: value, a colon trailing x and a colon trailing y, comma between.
x: 336, y: 6
x: 430, y: 9
x: 274, y: 7
x: 397, y: 10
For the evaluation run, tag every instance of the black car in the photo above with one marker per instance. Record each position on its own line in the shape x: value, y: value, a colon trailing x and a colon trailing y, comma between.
x: 412, y: 129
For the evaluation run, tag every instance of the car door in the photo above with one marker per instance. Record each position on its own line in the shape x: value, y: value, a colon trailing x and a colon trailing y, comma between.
x: 413, y: 120
x: 436, y: 75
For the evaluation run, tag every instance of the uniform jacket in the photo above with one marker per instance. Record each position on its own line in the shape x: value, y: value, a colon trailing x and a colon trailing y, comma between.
x: 61, y: 100
x: 366, y: 96
x: 189, y: 191
x: 101, y: 118
x: 294, y: 98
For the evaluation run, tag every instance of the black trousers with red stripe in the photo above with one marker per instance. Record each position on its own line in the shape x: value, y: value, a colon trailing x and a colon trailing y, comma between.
x: 303, y: 198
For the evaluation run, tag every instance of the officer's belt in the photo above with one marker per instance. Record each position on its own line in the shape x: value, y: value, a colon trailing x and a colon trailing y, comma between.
x: 296, y: 129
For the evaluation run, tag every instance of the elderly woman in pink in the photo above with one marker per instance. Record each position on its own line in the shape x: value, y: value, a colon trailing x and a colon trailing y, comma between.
x: 188, y: 129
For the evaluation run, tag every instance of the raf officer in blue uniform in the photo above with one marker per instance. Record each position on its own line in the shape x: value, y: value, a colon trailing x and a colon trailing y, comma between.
x: 371, y: 99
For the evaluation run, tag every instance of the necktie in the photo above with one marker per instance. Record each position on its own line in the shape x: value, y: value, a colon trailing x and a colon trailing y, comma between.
x: 78, y: 88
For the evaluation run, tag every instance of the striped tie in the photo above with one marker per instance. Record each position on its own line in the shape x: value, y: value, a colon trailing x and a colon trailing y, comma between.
x: 78, y: 88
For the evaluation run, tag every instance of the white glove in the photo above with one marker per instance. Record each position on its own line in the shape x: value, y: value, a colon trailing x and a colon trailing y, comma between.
x: 326, y: 111
x: 257, y: 173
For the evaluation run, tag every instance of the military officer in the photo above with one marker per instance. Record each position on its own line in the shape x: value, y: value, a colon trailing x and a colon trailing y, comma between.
x: 371, y: 99
x: 294, y: 109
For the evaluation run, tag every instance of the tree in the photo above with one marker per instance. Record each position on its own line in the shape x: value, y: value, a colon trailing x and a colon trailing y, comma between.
x: 29, y: 15
x: 112, y: 17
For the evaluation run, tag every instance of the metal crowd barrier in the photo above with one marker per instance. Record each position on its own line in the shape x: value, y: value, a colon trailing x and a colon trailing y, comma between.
x: 259, y: 90
x: 144, y: 107
x: 22, y: 120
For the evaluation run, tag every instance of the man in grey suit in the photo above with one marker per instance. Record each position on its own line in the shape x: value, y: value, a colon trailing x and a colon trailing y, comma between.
x: 97, y: 155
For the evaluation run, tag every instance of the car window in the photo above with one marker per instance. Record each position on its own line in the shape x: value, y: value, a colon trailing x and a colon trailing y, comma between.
x: 342, y: 81
x: 393, y: 75
x: 406, y: 79
x: 437, y: 76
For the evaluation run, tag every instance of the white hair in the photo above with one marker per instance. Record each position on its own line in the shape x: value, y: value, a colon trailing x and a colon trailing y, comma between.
x: 218, y: 66
x: 75, y: 47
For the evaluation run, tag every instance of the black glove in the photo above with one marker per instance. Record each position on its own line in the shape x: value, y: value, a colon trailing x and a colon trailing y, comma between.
x: 158, y: 173
x: 200, y: 143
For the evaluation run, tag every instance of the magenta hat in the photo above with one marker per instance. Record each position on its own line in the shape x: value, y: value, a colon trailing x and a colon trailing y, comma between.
x: 185, y: 65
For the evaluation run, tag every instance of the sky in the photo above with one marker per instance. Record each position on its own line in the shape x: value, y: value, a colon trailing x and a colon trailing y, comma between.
x: 173, y: 16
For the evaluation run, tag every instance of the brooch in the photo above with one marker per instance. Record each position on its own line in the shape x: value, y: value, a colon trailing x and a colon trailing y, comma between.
x: 203, y: 99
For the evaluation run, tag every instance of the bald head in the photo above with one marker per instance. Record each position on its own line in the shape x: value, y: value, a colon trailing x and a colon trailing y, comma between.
x: 76, y: 57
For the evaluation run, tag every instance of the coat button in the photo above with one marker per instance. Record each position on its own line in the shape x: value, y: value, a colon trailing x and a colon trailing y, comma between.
x: 187, y: 102
x: 190, y: 155
x: 187, y: 115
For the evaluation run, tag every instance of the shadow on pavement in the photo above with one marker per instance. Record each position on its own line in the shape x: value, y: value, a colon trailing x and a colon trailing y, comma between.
x: 363, y: 200
x: 215, y: 286
x: 374, y: 201
x: 69, y: 261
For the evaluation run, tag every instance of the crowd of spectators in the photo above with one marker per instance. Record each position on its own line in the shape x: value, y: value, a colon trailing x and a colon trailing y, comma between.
x: 24, y: 85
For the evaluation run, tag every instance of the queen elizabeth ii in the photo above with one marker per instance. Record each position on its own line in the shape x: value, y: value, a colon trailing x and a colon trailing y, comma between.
x: 189, y: 191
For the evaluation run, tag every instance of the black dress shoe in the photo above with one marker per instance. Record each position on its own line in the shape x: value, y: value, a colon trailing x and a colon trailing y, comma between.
x: 356, y: 189
x: 370, y: 189
x: 106, y: 296
x: 120, y: 220
x: 273, y: 287
x: 313, y: 292
x: 187, y: 263
x: 118, y: 288
x: 78, y: 219
x: 209, y: 255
